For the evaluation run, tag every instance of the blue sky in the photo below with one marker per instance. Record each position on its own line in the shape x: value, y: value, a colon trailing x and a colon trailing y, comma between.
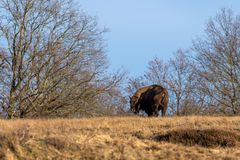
x: 141, y: 29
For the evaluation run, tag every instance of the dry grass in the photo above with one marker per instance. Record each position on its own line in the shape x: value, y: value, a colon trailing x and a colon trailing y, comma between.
x: 202, y: 137
x: 121, y: 138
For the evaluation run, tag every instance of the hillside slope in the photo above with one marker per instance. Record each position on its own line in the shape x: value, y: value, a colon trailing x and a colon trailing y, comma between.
x: 121, y: 138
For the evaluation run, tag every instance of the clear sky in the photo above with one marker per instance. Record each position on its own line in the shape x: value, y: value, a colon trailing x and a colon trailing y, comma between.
x: 143, y: 29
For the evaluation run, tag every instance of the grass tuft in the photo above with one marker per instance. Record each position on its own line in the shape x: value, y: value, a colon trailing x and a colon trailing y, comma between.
x: 56, y: 142
x: 202, y: 137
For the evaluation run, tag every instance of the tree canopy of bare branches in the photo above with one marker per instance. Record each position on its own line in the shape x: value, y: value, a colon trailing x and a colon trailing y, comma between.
x: 51, y: 58
x: 218, y: 61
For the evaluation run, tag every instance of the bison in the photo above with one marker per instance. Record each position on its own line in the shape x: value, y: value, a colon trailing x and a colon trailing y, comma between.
x: 150, y: 99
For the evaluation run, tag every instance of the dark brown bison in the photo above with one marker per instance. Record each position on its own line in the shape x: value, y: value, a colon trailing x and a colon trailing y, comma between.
x: 150, y: 99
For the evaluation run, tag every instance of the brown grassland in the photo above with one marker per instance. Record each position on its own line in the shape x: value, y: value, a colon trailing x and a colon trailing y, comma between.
x: 192, y: 137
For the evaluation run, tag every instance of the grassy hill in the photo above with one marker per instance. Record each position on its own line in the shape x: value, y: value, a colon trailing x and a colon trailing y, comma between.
x: 121, y: 138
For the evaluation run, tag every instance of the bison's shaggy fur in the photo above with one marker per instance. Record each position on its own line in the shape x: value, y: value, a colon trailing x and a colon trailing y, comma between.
x: 150, y: 99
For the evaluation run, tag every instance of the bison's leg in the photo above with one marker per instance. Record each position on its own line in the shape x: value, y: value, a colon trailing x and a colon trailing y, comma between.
x: 164, y: 111
x: 153, y: 112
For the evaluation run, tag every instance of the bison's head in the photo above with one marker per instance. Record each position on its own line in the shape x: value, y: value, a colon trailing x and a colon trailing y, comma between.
x: 134, y: 105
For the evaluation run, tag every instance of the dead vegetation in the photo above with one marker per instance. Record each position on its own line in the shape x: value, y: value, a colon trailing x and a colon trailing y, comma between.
x: 205, y: 138
x: 121, y: 138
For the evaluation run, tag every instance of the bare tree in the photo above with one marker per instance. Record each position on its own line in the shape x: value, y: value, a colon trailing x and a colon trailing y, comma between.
x: 182, y: 83
x: 218, y: 61
x: 52, y: 57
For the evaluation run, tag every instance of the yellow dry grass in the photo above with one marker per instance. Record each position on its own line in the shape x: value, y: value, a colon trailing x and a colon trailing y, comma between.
x: 110, y: 138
